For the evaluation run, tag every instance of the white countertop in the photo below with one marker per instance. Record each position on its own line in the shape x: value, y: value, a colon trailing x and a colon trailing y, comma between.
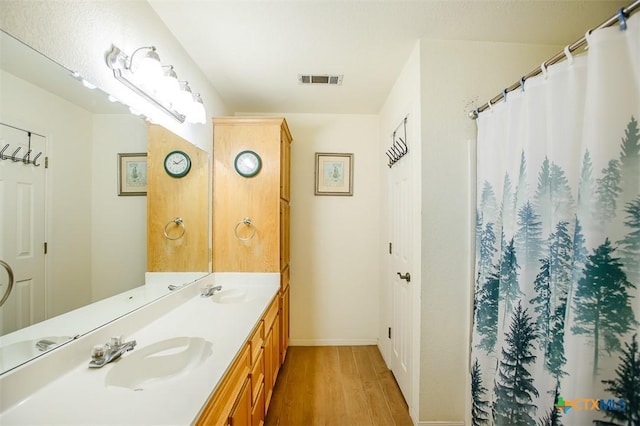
x: 79, y: 396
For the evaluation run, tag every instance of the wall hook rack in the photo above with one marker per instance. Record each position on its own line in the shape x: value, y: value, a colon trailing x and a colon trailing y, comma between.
x: 399, y: 147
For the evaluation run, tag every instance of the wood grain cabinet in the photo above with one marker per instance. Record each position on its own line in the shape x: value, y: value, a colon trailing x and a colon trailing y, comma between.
x: 264, y: 199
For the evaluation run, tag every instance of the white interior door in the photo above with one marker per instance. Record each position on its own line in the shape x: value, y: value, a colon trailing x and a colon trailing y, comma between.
x: 22, y: 229
x: 402, y: 232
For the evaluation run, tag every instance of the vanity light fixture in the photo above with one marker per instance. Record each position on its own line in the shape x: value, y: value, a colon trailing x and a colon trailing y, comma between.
x: 143, y: 73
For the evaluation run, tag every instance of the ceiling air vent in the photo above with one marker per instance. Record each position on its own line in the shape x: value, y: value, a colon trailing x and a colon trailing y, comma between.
x: 326, y: 79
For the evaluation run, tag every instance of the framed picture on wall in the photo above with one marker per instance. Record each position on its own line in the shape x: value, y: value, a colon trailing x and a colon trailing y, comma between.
x: 334, y: 174
x: 132, y: 173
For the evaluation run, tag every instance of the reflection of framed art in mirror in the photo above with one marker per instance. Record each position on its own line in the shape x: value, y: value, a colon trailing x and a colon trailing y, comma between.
x: 132, y: 174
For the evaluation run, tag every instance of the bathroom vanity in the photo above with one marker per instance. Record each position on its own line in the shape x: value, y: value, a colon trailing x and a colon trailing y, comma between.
x: 197, y: 360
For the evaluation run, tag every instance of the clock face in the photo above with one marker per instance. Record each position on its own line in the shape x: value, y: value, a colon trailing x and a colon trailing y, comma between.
x: 177, y: 164
x: 248, y: 163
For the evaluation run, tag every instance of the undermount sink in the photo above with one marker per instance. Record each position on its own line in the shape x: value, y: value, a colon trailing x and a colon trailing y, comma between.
x: 158, y: 362
x: 231, y: 296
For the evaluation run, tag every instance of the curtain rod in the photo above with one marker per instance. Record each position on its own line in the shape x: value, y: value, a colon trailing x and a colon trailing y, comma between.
x: 624, y: 12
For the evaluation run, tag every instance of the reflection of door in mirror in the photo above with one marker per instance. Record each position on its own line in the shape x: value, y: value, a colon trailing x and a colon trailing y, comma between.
x: 22, y: 227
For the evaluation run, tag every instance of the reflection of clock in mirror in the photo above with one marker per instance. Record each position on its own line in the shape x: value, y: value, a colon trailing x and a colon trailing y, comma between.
x: 177, y: 164
x: 248, y: 163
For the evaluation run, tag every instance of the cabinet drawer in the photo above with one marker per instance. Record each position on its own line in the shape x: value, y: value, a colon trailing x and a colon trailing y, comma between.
x: 220, y: 406
x: 270, y: 316
x: 257, y: 375
x: 256, y: 341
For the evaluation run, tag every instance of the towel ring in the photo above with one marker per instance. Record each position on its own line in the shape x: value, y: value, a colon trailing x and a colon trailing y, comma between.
x: 179, y: 222
x: 245, y: 221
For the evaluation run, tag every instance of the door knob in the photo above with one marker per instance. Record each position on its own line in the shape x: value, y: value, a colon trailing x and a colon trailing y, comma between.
x: 406, y: 276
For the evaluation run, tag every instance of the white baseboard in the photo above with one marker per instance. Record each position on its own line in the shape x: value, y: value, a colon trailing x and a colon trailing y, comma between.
x: 438, y: 423
x: 332, y: 342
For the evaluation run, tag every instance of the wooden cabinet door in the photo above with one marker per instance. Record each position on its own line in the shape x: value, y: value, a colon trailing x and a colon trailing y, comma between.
x: 285, y: 213
x: 275, y: 354
x: 258, y: 414
x: 284, y: 324
x: 285, y: 166
x: 241, y: 413
x: 269, y: 377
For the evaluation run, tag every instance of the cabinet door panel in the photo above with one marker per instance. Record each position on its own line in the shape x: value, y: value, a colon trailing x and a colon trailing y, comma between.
x: 284, y: 325
x: 258, y: 413
x: 269, y: 376
x: 241, y: 413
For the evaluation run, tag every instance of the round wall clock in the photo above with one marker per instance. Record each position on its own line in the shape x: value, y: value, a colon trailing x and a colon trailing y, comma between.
x: 177, y: 164
x: 248, y: 163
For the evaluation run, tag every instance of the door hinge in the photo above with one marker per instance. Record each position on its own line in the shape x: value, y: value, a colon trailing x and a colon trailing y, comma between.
x: 389, y: 333
x: 390, y: 248
x: 45, y: 248
x: 46, y: 162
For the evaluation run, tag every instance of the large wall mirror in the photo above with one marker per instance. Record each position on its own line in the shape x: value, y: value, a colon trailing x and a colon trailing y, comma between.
x: 95, y: 238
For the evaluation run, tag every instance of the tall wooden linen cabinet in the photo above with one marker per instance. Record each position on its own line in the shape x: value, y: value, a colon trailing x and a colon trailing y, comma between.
x: 251, y: 213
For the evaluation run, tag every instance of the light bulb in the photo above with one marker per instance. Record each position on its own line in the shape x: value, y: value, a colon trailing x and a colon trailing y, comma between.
x: 197, y: 114
x: 183, y: 99
x: 169, y: 85
x: 147, y: 69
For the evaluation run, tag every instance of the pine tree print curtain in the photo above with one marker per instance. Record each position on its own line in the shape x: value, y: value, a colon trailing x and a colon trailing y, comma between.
x: 557, y: 303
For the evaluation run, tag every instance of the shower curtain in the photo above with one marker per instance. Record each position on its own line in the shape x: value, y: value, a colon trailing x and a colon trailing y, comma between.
x: 556, y: 303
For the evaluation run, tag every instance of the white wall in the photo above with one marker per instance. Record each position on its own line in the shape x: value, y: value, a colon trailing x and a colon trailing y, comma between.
x: 78, y: 34
x: 119, y: 223
x: 335, y: 240
x: 454, y: 75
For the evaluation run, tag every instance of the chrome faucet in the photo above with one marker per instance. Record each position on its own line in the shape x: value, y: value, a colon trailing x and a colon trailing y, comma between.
x: 209, y: 291
x: 104, y: 354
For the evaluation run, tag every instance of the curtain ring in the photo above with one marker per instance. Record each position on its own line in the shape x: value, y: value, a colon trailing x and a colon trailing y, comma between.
x: 245, y: 221
x: 568, y: 55
x: 522, y: 80
x: 490, y: 105
x: 622, y: 18
x: 179, y: 222
x: 543, y: 69
x: 504, y: 94
x: 587, y: 37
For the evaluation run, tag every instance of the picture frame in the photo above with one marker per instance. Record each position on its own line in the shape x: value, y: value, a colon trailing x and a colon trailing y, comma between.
x: 334, y: 174
x: 132, y: 174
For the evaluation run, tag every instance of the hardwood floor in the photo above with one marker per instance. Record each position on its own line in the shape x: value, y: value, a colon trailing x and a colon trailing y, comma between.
x: 336, y: 385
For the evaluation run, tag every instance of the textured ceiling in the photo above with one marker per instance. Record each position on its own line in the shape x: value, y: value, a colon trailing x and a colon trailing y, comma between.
x: 253, y: 51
